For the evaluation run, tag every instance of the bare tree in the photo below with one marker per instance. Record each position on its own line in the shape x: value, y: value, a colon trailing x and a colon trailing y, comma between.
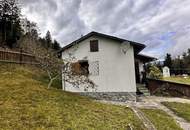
x: 74, y: 78
x: 55, y: 67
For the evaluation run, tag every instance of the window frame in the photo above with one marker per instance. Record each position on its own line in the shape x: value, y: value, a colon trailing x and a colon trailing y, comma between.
x: 94, y: 46
x: 81, y: 67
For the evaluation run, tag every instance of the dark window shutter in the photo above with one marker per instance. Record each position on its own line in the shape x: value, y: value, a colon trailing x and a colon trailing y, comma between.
x: 94, y: 46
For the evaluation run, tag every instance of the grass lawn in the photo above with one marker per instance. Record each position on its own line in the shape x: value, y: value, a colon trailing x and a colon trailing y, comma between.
x: 26, y: 103
x: 178, y: 80
x: 181, y: 109
x: 161, y: 120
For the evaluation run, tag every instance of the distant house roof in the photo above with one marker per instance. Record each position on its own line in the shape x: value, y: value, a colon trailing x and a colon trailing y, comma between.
x: 145, y: 58
x: 137, y: 46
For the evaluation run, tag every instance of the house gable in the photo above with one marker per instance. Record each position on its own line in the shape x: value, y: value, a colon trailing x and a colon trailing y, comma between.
x: 109, y: 68
x: 137, y: 46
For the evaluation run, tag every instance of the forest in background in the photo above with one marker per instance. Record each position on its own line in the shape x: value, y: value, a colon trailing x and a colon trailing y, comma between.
x: 178, y: 65
x: 14, y: 28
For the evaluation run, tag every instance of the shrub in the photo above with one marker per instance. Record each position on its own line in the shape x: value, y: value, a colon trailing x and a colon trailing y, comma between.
x: 155, y: 73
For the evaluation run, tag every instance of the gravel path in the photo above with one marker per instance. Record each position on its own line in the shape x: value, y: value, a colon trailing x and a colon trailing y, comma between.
x: 147, y: 123
x: 183, y: 123
x: 156, y: 102
x: 153, y: 102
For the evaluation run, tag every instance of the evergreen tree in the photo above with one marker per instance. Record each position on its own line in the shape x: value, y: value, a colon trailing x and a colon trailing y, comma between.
x: 42, y: 42
x: 168, y: 60
x: 188, y: 51
x: 10, y: 26
x: 56, y: 46
x: 48, y: 39
x: 30, y: 28
x: 188, y: 59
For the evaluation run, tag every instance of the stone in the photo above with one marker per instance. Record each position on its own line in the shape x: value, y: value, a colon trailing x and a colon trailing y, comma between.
x: 111, y: 96
x: 166, y: 72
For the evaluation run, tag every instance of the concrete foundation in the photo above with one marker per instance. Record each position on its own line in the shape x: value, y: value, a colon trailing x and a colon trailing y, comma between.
x: 111, y: 96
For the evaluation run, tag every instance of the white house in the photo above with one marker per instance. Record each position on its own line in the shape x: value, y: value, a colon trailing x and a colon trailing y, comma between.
x: 114, y: 64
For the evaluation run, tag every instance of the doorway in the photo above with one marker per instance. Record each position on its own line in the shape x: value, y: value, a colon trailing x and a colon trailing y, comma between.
x: 137, y: 73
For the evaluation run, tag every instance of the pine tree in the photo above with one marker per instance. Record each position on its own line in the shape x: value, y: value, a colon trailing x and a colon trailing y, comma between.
x: 168, y: 60
x: 56, y: 46
x: 30, y: 28
x: 188, y: 59
x: 48, y: 39
x: 10, y: 22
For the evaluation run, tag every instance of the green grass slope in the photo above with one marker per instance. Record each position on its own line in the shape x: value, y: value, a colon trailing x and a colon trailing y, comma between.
x: 178, y: 80
x: 26, y: 103
x: 181, y: 109
x: 161, y: 120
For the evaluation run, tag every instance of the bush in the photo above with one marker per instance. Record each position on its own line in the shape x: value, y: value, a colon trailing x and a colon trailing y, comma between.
x: 155, y: 73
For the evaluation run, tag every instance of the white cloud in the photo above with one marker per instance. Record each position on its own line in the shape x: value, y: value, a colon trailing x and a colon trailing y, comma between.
x: 145, y: 21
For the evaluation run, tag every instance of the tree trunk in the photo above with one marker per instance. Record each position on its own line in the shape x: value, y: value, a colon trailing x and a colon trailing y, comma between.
x: 50, y: 83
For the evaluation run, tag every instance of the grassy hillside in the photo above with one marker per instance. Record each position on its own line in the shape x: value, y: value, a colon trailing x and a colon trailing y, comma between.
x: 26, y: 103
x: 181, y: 109
x: 161, y: 120
x: 178, y: 80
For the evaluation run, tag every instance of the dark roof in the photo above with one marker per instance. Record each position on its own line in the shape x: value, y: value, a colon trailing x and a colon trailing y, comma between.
x: 145, y: 58
x: 137, y: 46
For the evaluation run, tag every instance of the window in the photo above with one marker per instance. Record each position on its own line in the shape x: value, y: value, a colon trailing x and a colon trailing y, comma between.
x: 94, y: 46
x: 80, y: 67
x: 94, y: 68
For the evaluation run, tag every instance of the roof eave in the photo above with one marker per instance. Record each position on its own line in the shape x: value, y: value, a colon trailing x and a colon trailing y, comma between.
x: 145, y: 58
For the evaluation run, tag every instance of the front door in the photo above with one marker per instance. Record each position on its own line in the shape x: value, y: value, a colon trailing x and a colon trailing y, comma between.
x: 137, y: 73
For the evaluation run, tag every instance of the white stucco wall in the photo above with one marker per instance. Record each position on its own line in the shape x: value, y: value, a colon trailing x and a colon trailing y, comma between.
x: 116, y: 69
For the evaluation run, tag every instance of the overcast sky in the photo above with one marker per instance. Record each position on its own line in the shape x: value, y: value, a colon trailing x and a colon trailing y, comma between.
x: 163, y: 25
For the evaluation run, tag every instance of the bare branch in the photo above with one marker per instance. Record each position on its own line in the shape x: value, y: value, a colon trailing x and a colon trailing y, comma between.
x: 48, y: 60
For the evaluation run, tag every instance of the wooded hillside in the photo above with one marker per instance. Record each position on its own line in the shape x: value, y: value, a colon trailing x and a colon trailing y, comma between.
x: 14, y: 28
